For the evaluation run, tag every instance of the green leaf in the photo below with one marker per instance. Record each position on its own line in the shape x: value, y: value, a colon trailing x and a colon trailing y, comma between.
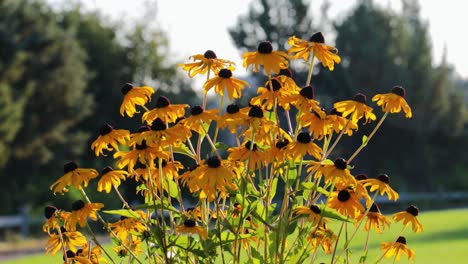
x: 333, y: 214
x: 182, y: 149
x: 364, y: 140
x: 221, y: 146
x: 173, y: 189
x: 312, y: 186
x: 292, y: 173
x: 123, y: 212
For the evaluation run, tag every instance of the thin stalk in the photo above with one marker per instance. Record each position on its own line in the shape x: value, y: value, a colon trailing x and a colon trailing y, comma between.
x: 336, y: 243
x: 311, y: 69
x: 64, y: 249
x: 205, y: 94
x: 121, y: 197
x: 97, y: 243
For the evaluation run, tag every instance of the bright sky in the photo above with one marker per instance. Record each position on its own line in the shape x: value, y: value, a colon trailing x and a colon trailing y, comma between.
x: 195, y: 26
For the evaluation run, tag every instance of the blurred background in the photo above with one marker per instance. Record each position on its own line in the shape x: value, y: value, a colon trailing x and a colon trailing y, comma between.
x: 62, y: 64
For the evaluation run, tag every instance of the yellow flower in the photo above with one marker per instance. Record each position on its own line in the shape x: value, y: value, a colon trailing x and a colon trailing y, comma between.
x: 336, y: 171
x: 374, y: 219
x: 258, y: 124
x: 356, y: 107
x: 212, y: 176
x: 381, y: 184
x: 109, y: 178
x: 324, y: 237
x: 191, y: 227
x: 134, y: 96
x: 223, y: 81
x: 73, y: 176
x: 164, y: 110
x: 87, y: 256
x: 304, y: 100
x: 199, y: 118
x: 233, y: 118
x: 129, y: 228
x: 109, y: 136
x: 278, y: 153
x: 409, y: 216
x: 80, y: 214
x: 272, y: 61
x: 346, y: 203
x: 316, y: 122
x: 313, y: 213
x: 397, y: 248
x: 336, y: 122
x: 302, y: 146
x: 71, y: 239
x: 270, y: 94
x: 316, y: 44
x: 141, y: 152
x: 394, y: 101
x: 204, y: 62
x: 55, y: 218
x: 243, y: 153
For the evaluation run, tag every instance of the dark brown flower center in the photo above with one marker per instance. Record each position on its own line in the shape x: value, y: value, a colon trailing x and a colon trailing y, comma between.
x: 256, y: 111
x: 189, y: 223
x: 304, y: 138
x: 374, y: 208
x: 402, y: 240
x: 285, y: 72
x: 209, y: 54
x: 70, y: 254
x: 361, y: 177
x: 105, y: 129
x: 317, y: 37
x: 384, y: 178
x: 361, y: 98
x: 78, y: 205
x: 106, y: 170
x: 340, y: 163
x: 248, y: 145
x: 232, y: 109
x: 144, y: 129
x: 225, y: 73
x: 158, y: 125
x: 63, y: 230
x: 196, y: 110
x: 163, y: 164
x: 70, y: 166
x: 413, y: 210
x: 307, y: 92
x: 213, y: 162
x: 281, y: 144
x: 49, y: 211
x: 314, y: 208
x: 333, y: 111
x: 398, y: 90
x: 162, y: 102
x: 265, y: 48
x: 343, y: 196
x: 275, y: 85
x: 126, y: 88
x: 141, y: 146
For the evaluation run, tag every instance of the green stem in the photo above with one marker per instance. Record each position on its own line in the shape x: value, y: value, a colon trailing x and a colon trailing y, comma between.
x: 97, y: 243
x: 311, y: 69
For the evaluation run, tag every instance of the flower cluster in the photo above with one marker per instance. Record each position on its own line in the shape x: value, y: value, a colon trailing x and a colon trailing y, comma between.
x: 270, y: 192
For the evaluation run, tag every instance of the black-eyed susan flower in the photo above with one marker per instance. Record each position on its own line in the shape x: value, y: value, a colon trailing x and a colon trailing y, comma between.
x: 199, y: 117
x: 287, y: 82
x: 394, y: 101
x: 225, y: 81
x: 191, y: 227
x: 55, y: 218
x: 211, y: 177
x: 336, y: 172
x: 81, y: 211
x: 164, y: 110
x: 71, y: 239
x: 258, y: 125
x: 345, y: 202
x: 73, y: 176
x: 169, y: 172
x: 316, y: 123
x: 87, y: 255
x: 205, y: 62
x: 397, y: 249
x: 374, y: 219
x: 336, y: 122
x: 110, y: 178
x: 316, y: 44
x: 409, y: 217
x: 193, y: 213
x: 271, y: 60
x: 323, y: 237
x: 233, y: 119
x: 129, y: 228
x: 143, y: 153
x: 302, y: 146
x: 357, y: 108
x: 132, y: 244
x: 250, y: 152
x: 272, y: 94
x: 134, y: 96
x: 278, y: 153
x: 313, y: 213
x: 304, y: 100
x: 382, y: 185
x: 109, y: 136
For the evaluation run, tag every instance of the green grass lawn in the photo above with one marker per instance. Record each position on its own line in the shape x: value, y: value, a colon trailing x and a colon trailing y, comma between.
x: 444, y: 240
